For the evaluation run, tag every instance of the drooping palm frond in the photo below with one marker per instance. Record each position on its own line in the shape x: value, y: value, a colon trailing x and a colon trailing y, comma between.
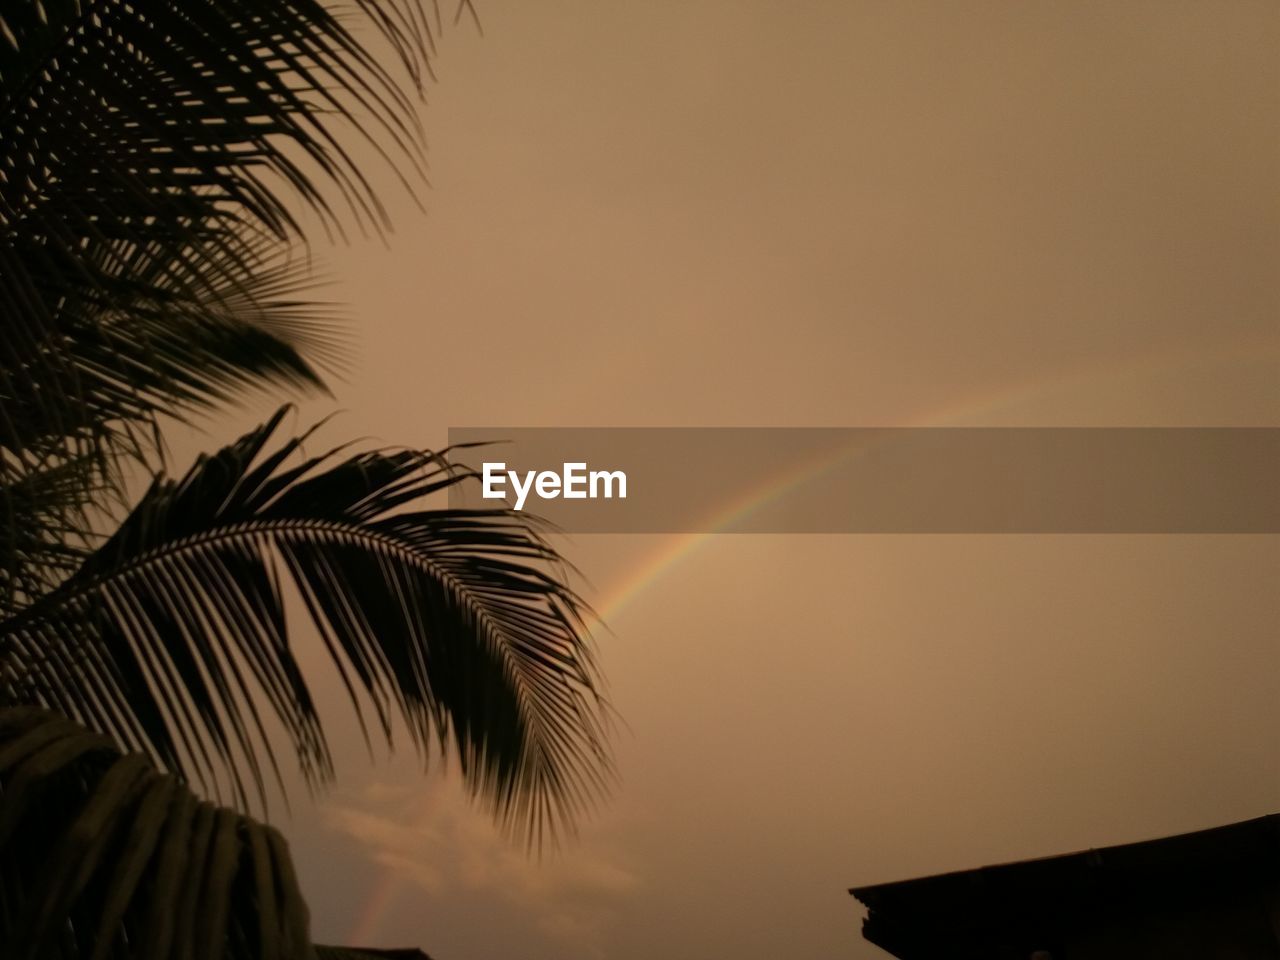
x: 173, y: 632
x: 152, y: 157
x: 169, y: 121
x: 43, y: 504
x: 157, y: 349
x: 104, y: 858
x: 165, y: 355
x: 139, y: 129
x: 144, y: 147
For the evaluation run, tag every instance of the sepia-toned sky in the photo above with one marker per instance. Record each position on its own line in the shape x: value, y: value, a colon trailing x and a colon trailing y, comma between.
x: 822, y: 213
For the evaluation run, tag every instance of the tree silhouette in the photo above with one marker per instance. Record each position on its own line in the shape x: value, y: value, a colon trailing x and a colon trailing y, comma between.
x: 153, y: 160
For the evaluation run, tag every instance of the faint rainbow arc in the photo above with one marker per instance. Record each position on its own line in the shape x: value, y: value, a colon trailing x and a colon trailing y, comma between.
x: 678, y: 546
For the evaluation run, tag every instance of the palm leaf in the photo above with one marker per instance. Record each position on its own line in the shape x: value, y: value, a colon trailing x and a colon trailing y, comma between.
x: 42, y: 504
x: 164, y: 355
x: 151, y: 158
x: 172, y: 634
x: 145, y: 148
x: 102, y: 857
x: 160, y: 131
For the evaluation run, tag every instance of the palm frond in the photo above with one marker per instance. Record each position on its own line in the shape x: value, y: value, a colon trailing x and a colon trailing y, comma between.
x: 43, y: 517
x: 148, y: 146
x: 104, y: 858
x: 165, y: 354
x: 151, y: 160
x: 145, y: 348
x: 155, y: 123
x: 173, y: 632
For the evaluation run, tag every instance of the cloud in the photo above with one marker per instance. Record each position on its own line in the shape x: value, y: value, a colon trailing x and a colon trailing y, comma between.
x: 430, y: 837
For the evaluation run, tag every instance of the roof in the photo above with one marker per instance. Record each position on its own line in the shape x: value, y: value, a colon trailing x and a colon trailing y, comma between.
x: 1009, y: 909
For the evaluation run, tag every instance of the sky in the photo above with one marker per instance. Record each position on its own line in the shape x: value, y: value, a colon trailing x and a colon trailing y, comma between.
x: 812, y: 213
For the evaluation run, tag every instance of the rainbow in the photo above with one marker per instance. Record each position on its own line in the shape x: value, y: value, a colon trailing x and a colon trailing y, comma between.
x: 667, y: 557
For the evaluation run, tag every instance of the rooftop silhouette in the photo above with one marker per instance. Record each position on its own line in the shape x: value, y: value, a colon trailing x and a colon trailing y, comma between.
x: 1213, y: 893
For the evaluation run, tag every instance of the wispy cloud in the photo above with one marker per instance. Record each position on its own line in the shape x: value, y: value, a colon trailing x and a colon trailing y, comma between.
x: 429, y: 838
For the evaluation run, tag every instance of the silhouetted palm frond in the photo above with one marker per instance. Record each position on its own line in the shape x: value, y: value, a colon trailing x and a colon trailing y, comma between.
x: 165, y: 355
x: 42, y: 539
x: 152, y: 157
x: 173, y: 632
x: 144, y: 150
x: 104, y: 858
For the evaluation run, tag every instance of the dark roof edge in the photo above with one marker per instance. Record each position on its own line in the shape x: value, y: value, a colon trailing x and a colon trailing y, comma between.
x: 1272, y: 818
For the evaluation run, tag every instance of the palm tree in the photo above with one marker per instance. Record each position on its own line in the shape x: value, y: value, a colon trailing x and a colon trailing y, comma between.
x: 152, y: 155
